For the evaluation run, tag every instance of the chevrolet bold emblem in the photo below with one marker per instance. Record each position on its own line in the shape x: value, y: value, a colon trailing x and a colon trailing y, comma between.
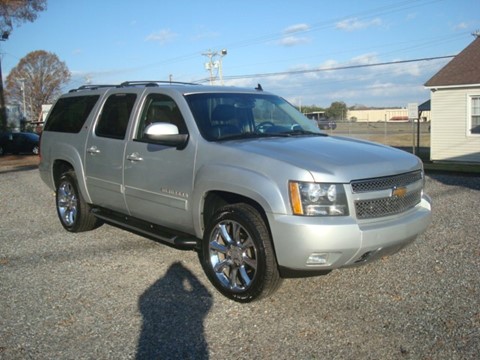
x: 399, y: 192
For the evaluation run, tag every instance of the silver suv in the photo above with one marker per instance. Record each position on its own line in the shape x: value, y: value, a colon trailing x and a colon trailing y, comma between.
x: 239, y: 175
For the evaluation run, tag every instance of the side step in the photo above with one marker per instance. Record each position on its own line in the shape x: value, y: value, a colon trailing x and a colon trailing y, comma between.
x: 176, y: 239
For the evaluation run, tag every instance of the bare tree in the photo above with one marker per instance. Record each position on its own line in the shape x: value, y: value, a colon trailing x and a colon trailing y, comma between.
x: 13, y: 12
x: 37, y: 79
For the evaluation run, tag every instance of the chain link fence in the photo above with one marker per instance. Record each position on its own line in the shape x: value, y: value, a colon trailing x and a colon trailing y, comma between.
x: 410, y: 136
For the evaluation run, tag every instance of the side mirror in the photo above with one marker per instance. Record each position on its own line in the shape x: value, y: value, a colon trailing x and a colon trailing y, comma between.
x: 165, y: 134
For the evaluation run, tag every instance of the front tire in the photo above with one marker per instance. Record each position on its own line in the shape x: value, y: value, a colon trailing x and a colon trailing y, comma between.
x: 237, y: 254
x: 74, y: 213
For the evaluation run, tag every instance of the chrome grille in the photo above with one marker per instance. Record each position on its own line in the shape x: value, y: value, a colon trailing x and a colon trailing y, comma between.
x: 368, y: 209
x: 387, y: 182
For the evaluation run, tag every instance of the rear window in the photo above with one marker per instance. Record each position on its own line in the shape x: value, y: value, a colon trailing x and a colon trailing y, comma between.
x: 70, y: 113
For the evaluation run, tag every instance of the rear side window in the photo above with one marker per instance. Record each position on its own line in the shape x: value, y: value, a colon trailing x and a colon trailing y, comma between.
x: 70, y: 113
x: 115, y: 115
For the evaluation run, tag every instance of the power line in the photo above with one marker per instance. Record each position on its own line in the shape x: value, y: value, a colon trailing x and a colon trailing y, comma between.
x: 346, y: 67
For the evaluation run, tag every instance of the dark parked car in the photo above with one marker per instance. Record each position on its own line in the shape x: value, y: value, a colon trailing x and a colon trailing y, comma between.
x: 326, y: 124
x: 19, y: 142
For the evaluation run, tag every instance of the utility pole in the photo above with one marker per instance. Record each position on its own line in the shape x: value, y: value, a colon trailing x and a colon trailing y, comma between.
x: 212, y: 63
x: 3, y: 112
x: 23, y: 93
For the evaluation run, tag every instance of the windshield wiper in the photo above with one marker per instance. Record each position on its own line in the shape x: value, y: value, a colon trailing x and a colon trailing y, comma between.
x: 251, y: 135
x: 303, y: 132
x: 258, y: 135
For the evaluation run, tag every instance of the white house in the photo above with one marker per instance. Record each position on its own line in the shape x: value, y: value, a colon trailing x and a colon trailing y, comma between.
x: 455, y: 108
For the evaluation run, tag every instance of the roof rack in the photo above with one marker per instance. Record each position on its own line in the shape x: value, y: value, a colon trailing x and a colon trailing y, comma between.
x: 90, y: 87
x: 153, y: 83
x: 131, y: 83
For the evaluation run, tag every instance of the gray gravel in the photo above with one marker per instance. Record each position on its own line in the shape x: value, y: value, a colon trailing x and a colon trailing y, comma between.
x: 109, y: 294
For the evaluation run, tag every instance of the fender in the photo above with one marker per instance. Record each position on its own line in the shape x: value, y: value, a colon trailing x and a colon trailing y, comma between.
x: 68, y: 153
x: 240, y: 181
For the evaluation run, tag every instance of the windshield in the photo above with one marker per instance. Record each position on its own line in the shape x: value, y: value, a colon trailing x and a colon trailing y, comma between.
x: 222, y: 116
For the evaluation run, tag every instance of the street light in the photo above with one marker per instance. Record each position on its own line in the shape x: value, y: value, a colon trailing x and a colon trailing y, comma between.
x: 215, y: 64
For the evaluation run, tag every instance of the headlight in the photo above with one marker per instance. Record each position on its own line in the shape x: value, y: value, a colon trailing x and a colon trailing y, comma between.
x: 318, y: 199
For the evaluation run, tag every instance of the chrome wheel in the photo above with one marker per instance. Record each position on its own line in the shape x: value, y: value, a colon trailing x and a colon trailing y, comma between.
x: 233, y: 255
x: 237, y: 254
x: 73, y: 211
x: 67, y: 203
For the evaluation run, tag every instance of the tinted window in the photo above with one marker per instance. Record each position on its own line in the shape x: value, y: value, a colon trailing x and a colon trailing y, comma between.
x: 115, y: 115
x: 160, y: 108
x: 236, y: 115
x: 70, y: 113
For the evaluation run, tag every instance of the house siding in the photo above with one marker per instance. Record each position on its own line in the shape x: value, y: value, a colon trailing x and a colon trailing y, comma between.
x: 450, y: 138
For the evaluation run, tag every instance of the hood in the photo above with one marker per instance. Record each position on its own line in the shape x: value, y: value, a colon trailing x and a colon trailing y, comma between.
x: 331, y: 158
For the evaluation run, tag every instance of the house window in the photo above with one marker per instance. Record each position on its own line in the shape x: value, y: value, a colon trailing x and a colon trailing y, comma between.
x: 475, y: 115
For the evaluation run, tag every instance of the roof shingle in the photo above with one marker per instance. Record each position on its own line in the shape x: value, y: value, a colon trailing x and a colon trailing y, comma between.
x: 463, y: 69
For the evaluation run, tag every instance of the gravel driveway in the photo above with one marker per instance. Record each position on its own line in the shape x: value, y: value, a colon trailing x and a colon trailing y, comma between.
x: 110, y: 294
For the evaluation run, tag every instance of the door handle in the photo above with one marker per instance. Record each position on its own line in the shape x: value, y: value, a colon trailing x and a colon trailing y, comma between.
x: 134, y: 157
x: 93, y: 150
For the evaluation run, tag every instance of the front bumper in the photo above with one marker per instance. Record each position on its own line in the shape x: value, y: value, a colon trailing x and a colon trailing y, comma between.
x: 343, y: 241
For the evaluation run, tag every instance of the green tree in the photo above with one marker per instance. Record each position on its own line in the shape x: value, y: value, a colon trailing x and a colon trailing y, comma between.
x: 337, y: 110
x: 311, y: 108
x: 37, y: 79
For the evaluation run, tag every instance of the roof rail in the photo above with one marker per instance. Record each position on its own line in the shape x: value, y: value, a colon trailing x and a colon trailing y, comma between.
x: 90, y: 87
x: 153, y: 83
x: 130, y: 83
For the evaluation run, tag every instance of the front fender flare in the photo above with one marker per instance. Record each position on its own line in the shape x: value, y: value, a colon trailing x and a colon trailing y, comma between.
x: 239, y: 181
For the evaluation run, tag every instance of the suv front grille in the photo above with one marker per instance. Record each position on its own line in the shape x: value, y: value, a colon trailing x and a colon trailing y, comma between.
x: 391, y: 205
x: 368, y: 209
x: 387, y: 182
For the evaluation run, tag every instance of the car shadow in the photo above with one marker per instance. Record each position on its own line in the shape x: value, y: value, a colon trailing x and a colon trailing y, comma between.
x: 11, y: 169
x: 173, y: 310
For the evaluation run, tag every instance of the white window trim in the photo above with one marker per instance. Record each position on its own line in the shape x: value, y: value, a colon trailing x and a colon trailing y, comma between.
x: 469, y: 113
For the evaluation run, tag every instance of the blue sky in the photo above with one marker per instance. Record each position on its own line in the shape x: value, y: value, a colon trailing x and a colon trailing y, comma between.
x: 110, y: 41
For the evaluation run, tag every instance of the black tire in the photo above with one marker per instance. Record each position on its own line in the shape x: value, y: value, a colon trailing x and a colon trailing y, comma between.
x: 72, y: 210
x: 237, y: 254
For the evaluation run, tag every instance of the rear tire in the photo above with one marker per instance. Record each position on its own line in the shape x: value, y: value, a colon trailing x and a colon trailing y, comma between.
x: 74, y: 213
x: 237, y: 254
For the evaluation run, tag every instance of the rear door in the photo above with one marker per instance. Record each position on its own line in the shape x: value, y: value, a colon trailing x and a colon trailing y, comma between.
x: 105, y: 150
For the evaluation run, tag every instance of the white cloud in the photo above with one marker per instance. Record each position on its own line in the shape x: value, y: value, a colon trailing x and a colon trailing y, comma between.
x: 163, y: 36
x: 296, y: 28
x: 412, y: 16
x: 353, y: 24
x: 293, y: 40
x: 204, y: 33
x: 461, y: 26
x: 364, y: 59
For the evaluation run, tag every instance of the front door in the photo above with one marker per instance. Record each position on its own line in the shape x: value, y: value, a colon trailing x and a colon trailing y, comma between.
x: 159, y: 179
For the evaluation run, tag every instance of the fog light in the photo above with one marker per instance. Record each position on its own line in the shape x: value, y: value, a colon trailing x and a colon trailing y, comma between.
x: 317, y: 259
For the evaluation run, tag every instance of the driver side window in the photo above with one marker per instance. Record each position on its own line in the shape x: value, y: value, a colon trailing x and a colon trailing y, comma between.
x: 160, y: 108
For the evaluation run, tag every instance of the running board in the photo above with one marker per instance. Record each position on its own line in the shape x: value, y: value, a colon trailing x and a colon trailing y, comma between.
x: 152, y: 231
